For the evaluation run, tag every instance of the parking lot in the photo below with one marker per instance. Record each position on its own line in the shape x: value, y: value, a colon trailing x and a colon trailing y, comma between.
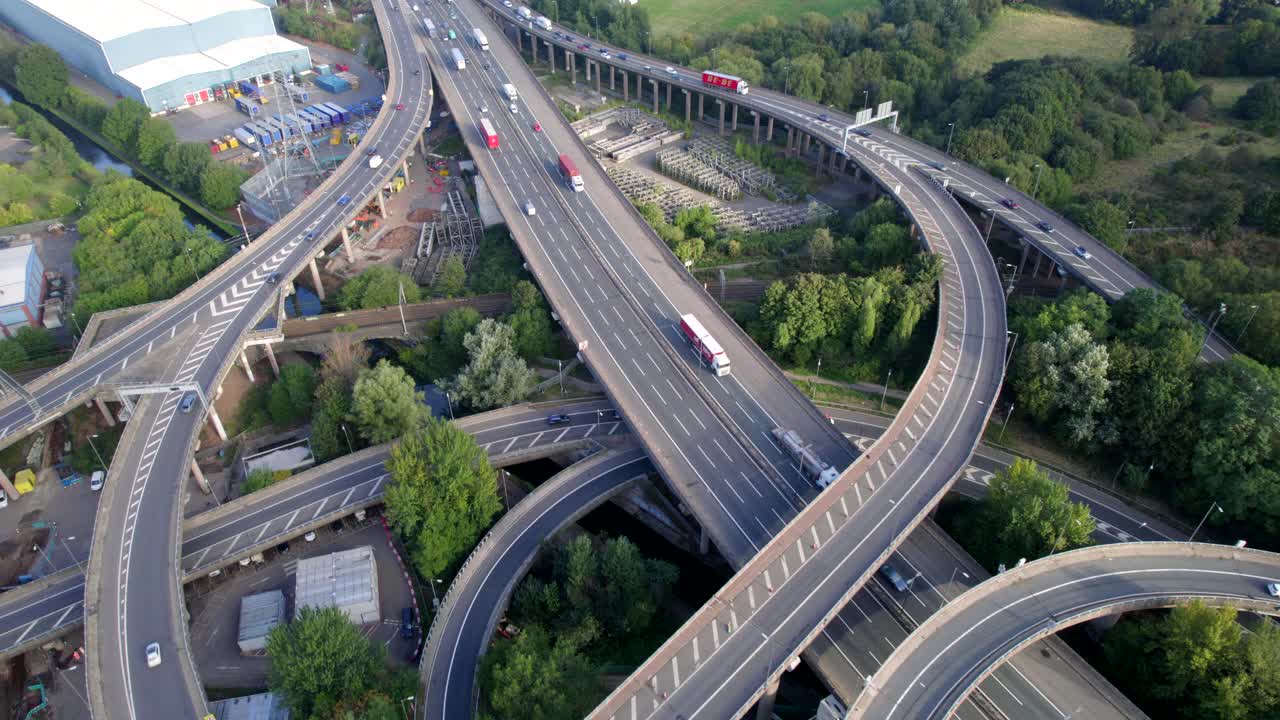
x: 215, y: 604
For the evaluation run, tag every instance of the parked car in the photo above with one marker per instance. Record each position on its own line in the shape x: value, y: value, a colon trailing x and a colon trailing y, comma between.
x: 97, y: 480
x: 1082, y: 252
x: 890, y: 573
x: 559, y: 419
x: 399, y: 106
x: 407, y: 625
x: 153, y: 655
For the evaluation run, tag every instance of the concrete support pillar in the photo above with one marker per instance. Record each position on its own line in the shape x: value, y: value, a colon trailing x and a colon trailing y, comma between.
x: 218, y: 393
x: 764, y: 708
x: 1026, y: 249
x: 805, y: 149
x: 248, y: 369
x: 668, y: 97
x: 271, y: 358
x: 8, y: 487
x: 613, y: 78
x: 626, y: 87
x: 835, y: 159
x: 106, y: 411
x: 346, y: 244
x: 755, y: 130
x: 382, y: 204
x: 822, y: 156
x: 844, y: 163
x: 571, y: 62
x: 654, y: 87
x: 217, y: 423
x: 551, y: 57
x: 422, y: 144
x: 721, y: 104
x: 733, y: 127
x: 404, y: 168
x: 790, y: 135
x: 1036, y: 272
x: 598, y: 88
x: 768, y: 133
x: 199, y: 477
x: 701, y: 114
x: 315, y: 279
x: 704, y: 542
x: 1062, y: 281
x: 688, y: 106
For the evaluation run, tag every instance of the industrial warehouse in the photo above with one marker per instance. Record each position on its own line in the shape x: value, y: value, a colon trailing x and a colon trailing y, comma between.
x: 166, y: 54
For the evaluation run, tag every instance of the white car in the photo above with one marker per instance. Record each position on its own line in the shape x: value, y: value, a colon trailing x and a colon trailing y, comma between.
x: 529, y: 209
x: 514, y: 109
x: 153, y: 655
x: 97, y: 480
x: 672, y: 71
x: 506, y: 2
x: 484, y: 107
x: 1273, y: 589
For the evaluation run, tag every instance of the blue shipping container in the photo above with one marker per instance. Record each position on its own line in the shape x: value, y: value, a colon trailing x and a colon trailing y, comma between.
x: 250, y: 108
x: 332, y: 83
x: 264, y: 134
x: 334, y: 118
x: 318, y: 119
x: 343, y: 115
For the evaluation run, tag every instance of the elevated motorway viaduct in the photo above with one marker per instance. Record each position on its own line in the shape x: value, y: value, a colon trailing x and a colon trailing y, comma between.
x: 52, y: 606
x: 783, y: 597
x: 929, y: 675
x: 818, y: 133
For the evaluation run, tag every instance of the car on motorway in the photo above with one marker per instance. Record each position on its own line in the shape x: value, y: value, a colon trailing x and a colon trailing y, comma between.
x: 648, y: 68
x: 1046, y: 227
x: 407, y: 625
x: 890, y: 573
x: 529, y: 209
x: 938, y: 165
x: 671, y: 71
x: 399, y: 106
x: 371, y: 151
x: 344, y: 199
x: 584, y: 46
x: 417, y: 72
x: 274, y: 278
x: 97, y: 480
x: 153, y: 655
x: 824, y: 117
x: 559, y: 419
x: 506, y: 3
x: 1082, y: 252
x: 604, y: 52
x: 311, y: 234
x: 861, y: 132
x: 537, y: 126
x: 188, y: 402
x: 453, y: 35
x: 512, y: 107
x: 1010, y: 203
x: 622, y: 56
x: 484, y: 107
x: 1273, y: 589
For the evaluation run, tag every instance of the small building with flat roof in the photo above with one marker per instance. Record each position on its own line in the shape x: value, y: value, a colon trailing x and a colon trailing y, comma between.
x: 263, y: 706
x: 258, y: 615
x: 21, y: 288
x: 347, y: 580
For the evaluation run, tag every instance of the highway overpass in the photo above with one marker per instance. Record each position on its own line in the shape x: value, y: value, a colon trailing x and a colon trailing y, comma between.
x: 930, y: 673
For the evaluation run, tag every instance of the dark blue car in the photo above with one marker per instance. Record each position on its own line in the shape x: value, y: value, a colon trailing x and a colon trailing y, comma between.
x: 559, y: 420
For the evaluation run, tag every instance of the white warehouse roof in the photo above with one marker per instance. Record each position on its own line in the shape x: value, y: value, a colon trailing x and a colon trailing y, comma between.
x: 347, y: 580
x: 13, y: 274
x: 130, y: 16
x: 223, y: 57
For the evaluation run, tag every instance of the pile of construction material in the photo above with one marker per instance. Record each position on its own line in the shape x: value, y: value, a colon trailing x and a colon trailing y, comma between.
x: 682, y: 166
x: 717, y: 153
x: 644, y: 133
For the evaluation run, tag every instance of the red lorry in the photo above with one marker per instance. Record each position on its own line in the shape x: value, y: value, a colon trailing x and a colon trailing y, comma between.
x: 705, y: 345
x: 570, y: 173
x: 728, y: 82
x: 490, y: 135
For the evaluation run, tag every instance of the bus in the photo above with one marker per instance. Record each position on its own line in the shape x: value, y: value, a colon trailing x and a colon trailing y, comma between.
x: 490, y: 135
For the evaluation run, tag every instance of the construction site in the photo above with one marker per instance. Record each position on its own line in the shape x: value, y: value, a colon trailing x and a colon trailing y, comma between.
x: 652, y: 163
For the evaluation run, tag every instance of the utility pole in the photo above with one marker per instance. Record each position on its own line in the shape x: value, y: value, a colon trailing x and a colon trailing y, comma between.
x: 1222, y: 310
x: 1039, y: 169
x: 885, y: 391
x: 1254, y: 308
x: 950, y: 134
x: 403, y: 325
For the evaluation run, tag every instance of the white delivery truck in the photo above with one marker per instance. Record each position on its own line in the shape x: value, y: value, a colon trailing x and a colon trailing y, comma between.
x: 458, y: 60
x: 510, y: 91
x: 482, y: 42
x: 542, y: 22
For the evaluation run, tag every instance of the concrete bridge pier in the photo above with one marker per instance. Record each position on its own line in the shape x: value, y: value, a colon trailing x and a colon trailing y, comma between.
x: 248, y: 369
x: 701, y: 114
x: 768, y: 133
x: 626, y: 87
x: 613, y: 79
x: 551, y: 57
x: 106, y: 411
x: 199, y: 477
x: 404, y: 168
x: 755, y: 130
x: 805, y: 149
x: 382, y: 204
x: 820, y: 165
x: 688, y: 106
x: 315, y: 278
x: 733, y: 125
x: 654, y: 84
x: 721, y: 104
x: 668, y: 97
x: 704, y: 541
x: 1026, y: 250
x: 764, y: 708
x: 791, y: 133
x: 217, y: 422
x: 599, y: 73
x: 271, y: 358
x: 572, y: 67
x: 346, y: 244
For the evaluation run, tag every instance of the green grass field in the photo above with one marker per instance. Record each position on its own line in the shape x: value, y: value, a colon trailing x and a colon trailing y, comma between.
x: 671, y: 16
x: 1226, y: 90
x: 1023, y: 34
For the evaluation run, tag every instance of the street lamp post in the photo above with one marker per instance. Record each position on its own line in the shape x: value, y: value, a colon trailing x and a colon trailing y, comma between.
x: 1039, y: 169
x: 866, y: 98
x: 1212, y: 505
x: 560, y: 375
x: 951, y: 133
x: 409, y: 700
x: 95, y: 451
x: 350, y: 447
x: 1005, y: 424
x: 1254, y: 311
x: 1214, y: 320
x: 435, y: 599
x: 885, y: 390
x: 1063, y: 534
x: 192, y: 259
x: 449, y: 400
x: 595, y: 24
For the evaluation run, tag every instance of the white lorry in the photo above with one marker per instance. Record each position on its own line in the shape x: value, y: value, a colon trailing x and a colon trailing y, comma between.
x: 510, y: 91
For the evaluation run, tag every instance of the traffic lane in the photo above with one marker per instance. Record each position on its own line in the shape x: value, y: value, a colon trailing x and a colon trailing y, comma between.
x: 731, y: 393
x: 62, y: 605
x: 467, y: 627
x: 953, y: 653
x: 705, y: 487
x: 1123, y: 523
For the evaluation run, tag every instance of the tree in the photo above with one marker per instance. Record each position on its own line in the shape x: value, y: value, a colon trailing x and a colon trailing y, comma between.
x: 184, y: 165
x: 440, y: 352
x: 345, y: 358
x: 378, y: 286
x: 442, y: 496
x: 452, y: 277
x: 1025, y: 514
x: 291, y: 395
x: 261, y: 479
x: 530, y: 322
x: 320, y: 659
x: 535, y: 678
x: 123, y: 123
x: 385, y: 405
x: 821, y: 247
x: 155, y: 137
x: 1102, y: 220
x: 40, y: 74
x: 800, y: 316
x: 495, y: 375
x: 1260, y: 106
x: 220, y: 185
x: 329, y: 436
x: 1064, y: 378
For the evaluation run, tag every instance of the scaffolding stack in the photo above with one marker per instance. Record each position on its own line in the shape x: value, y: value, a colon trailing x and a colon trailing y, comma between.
x: 717, y: 153
x: 454, y: 232
x: 683, y: 167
